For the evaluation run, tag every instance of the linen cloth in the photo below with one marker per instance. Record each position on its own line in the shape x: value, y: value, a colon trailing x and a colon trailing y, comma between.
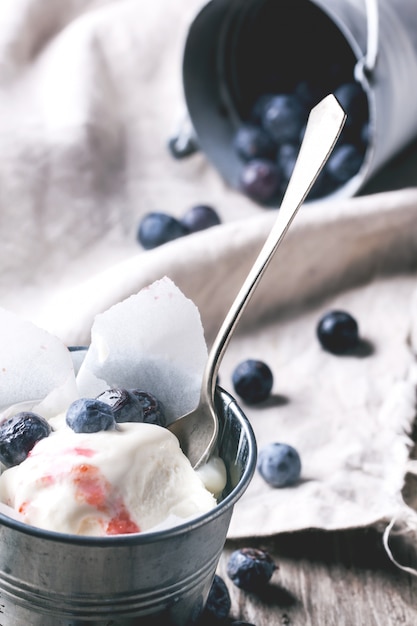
x: 90, y: 93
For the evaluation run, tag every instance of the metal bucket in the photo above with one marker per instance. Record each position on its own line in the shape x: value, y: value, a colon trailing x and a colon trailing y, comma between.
x: 379, y: 35
x: 164, y: 577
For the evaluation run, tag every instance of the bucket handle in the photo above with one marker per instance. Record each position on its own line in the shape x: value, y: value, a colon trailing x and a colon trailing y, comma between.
x: 366, y: 65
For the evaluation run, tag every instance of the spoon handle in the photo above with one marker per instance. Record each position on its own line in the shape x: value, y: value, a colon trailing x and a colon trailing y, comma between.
x: 323, y: 128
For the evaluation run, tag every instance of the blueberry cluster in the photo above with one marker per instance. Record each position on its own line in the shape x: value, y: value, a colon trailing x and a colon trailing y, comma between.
x: 114, y: 406
x: 19, y: 433
x: 268, y: 141
x: 157, y: 228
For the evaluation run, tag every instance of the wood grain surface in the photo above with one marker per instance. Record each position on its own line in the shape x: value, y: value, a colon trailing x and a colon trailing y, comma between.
x: 339, y: 578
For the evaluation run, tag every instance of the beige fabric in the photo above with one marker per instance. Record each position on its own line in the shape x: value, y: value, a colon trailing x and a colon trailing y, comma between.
x: 90, y: 91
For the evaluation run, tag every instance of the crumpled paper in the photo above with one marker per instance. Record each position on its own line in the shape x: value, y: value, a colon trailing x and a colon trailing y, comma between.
x: 152, y: 340
x: 90, y: 92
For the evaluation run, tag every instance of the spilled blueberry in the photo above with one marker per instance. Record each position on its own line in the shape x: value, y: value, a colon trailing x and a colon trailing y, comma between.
x: 152, y: 408
x: 200, y: 217
x: 125, y: 405
x: 218, y: 601
x: 252, y: 381
x: 279, y: 464
x: 250, y: 569
x: 88, y: 415
x: 157, y: 228
x: 18, y: 435
x: 338, y: 332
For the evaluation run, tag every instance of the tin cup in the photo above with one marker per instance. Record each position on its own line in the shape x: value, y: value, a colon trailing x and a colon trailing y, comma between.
x: 164, y: 577
x: 372, y: 42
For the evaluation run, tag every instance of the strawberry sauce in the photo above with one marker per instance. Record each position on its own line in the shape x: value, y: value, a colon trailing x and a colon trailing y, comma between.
x: 93, y: 488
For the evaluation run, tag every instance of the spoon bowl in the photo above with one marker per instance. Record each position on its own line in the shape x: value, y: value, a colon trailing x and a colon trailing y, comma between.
x: 197, y: 431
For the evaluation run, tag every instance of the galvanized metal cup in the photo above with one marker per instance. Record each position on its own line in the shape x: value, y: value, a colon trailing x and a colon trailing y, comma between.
x: 380, y: 36
x: 53, y: 579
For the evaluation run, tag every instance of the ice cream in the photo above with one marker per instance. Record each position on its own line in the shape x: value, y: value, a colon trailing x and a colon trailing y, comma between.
x: 126, y: 477
x: 127, y: 480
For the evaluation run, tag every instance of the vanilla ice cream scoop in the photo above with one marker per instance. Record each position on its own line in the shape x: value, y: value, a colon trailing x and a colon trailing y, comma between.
x: 129, y: 475
x: 127, y: 480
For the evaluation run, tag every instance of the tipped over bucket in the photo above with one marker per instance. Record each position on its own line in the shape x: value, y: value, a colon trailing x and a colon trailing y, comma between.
x: 239, y: 51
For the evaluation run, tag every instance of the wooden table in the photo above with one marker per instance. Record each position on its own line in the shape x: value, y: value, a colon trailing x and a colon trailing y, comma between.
x: 339, y: 578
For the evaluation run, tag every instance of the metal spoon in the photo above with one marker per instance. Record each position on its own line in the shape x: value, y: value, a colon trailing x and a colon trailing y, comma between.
x: 197, y: 431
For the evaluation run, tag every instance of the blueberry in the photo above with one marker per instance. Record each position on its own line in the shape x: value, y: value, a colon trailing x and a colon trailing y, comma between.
x: 287, y: 156
x: 284, y: 118
x: 338, y: 332
x: 259, y: 107
x: 125, y: 405
x: 344, y: 162
x: 365, y: 134
x: 260, y: 180
x: 353, y: 100
x: 18, y: 435
x: 253, y: 142
x: 279, y: 464
x: 181, y: 146
x: 322, y: 186
x: 250, y: 569
x: 309, y: 93
x: 218, y: 601
x: 88, y: 415
x: 200, y: 217
x: 153, y: 409
x: 156, y: 229
x: 252, y: 380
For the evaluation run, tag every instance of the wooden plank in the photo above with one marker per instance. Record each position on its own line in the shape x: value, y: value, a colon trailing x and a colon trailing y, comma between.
x: 327, y: 579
